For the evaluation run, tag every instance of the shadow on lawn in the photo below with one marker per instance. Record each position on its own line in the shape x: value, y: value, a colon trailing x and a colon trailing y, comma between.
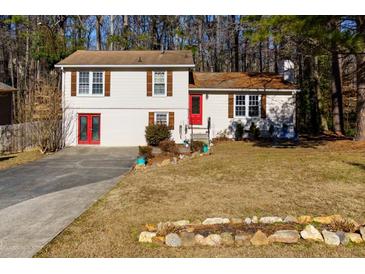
x: 6, y: 158
x: 305, y: 141
x: 359, y: 165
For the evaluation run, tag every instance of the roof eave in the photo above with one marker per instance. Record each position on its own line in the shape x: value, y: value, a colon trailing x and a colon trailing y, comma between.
x: 246, y: 89
x: 128, y: 66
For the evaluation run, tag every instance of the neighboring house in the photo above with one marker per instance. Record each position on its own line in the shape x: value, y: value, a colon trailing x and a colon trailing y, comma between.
x: 6, y: 102
x: 109, y: 97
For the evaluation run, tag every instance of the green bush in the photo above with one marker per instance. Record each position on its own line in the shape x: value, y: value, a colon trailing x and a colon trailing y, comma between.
x: 145, y: 151
x: 197, y: 145
x: 238, y: 133
x: 169, y: 146
x: 156, y: 133
x: 254, y: 131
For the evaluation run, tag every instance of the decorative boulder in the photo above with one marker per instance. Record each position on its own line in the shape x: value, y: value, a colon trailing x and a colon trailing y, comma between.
x: 327, y: 219
x: 290, y: 219
x: 354, y: 237
x: 215, y: 221
x: 242, y: 239
x: 305, y: 219
x: 227, y: 239
x: 259, y: 238
x: 181, y: 223
x: 331, y: 238
x: 164, y: 228
x: 362, y: 232
x: 284, y: 236
x: 344, y: 239
x: 255, y: 219
x: 173, y: 240
x: 311, y: 233
x: 212, y: 240
x: 270, y: 220
x: 146, y: 237
x: 199, y: 239
x: 151, y: 227
x: 187, y: 239
x: 236, y: 221
x: 248, y: 221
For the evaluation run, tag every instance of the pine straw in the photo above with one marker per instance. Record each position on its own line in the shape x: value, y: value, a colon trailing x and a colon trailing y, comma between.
x: 238, y: 180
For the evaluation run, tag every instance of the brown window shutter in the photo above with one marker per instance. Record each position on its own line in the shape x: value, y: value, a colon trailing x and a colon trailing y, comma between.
x: 171, y: 120
x: 107, y: 83
x: 149, y: 83
x: 263, y: 106
x: 230, y: 105
x: 73, y: 83
x: 151, y: 118
x: 169, y: 83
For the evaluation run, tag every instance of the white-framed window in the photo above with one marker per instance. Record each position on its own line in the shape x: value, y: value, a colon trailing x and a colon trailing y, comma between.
x: 90, y: 83
x: 159, y: 83
x: 247, y: 106
x: 161, y: 118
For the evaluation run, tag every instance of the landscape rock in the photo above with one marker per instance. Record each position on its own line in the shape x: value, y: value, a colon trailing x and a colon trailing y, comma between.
x: 187, y: 239
x: 305, y: 219
x: 311, y: 233
x: 213, y: 240
x: 290, y: 219
x: 174, y: 160
x: 344, y: 239
x: 270, y: 220
x: 158, y: 240
x: 354, y: 226
x: 248, y: 221
x: 354, y: 237
x: 255, y: 219
x: 331, y: 238
x: 164, y: 228
x: 151, y: 227
x: 284, y: 236
x: 327, y: 219
x: 242, y: 239
x: 181, y: 223
x: 236, y: 221
x: 213, y: 221
x: 227, y: 239
x: 199, y: 239
x: 146, y: 237
x: 164, y: 162
x: 196, y: 222
x: 173, y: 240
x: 259, y: 238
x: 362, y: 232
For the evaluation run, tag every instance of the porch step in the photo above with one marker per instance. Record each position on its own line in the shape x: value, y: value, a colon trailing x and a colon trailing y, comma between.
x: 203, y: 137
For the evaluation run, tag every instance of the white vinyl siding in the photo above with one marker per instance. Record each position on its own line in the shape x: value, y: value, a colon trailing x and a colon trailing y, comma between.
x: 247, y: 106
x: 159, y: 87
x: 90, y: 83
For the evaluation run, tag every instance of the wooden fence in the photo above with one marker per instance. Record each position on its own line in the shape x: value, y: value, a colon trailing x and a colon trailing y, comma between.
x: 15, y: 138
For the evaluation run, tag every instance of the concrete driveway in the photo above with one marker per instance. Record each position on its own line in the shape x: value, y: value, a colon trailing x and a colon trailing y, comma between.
x: 39, y: 199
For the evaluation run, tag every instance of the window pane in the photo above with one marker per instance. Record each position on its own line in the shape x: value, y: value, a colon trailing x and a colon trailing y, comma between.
x: 83, y: 82
x: 159, y: 83
x: 95, y: 128
x: 253, y: 108
x: 161, y: 118
x: 97, y: 83
x: 195, y: 105
x: 240, y: 105
x: 83, y: 128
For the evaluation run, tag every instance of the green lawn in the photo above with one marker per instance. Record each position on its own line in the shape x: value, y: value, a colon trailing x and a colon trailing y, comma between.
x: 238, y: 180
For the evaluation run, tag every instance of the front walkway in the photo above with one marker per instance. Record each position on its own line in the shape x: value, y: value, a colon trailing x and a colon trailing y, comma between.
x: 38, y: 200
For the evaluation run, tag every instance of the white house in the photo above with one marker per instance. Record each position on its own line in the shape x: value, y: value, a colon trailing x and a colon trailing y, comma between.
x: 109, y: 97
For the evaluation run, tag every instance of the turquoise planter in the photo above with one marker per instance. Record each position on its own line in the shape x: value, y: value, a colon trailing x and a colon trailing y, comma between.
x: 141, y: 161
x: 205, y: 148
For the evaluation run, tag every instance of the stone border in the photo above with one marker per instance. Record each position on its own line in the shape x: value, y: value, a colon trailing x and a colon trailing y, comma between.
x: 184, y: 233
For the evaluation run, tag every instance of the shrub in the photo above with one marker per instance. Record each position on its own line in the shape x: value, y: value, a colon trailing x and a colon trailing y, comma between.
x: 156, y: 133
x: 197, y: 145
x: 145, y: 151
x: 220, y: 139
x: 238, y: 133
x: 254, y: 131
x: 169, y: 146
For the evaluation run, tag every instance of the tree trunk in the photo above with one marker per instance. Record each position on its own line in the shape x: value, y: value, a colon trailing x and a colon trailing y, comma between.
x: 337, y: 105
x: 360, y: 104
x: 111, y: 26
x: 322, y: 118
x: 260, y: 57
x: 99, y: 19
x: 244, y: 56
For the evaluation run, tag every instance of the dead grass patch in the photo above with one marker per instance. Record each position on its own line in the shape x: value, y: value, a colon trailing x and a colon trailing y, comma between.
x: 239, y: 179
x: 11, y: 160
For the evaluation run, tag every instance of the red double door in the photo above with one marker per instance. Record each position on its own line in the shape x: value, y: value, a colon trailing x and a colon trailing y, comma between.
x: 89, y: 128
x: 196, y: 109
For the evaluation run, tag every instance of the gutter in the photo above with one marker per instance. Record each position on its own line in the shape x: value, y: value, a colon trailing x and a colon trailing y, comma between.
x: 246, y: 90
x: 125, y: 66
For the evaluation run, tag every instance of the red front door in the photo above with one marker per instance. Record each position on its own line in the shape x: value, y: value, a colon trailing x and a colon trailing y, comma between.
x: 196, y: 109
x: 89, y: 128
